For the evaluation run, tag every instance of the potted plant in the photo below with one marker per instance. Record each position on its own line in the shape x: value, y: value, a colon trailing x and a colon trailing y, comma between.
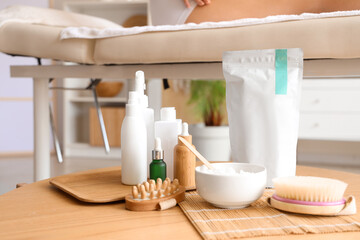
x: 211, y: 138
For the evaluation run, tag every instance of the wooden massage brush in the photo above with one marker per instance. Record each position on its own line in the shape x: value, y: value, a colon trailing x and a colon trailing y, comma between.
x: 312, y: 195
x: 155, y: 196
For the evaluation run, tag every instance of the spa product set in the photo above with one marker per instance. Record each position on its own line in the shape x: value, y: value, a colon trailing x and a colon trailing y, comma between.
x: 263, y: 99
x: 263, y: 89
x: 141, y: 158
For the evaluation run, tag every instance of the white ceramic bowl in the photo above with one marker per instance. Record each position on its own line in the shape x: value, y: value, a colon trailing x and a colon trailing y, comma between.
x: 234, y: 190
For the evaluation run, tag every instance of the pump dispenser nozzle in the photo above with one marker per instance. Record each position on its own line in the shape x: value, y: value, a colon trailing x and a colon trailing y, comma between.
x: 158, y: 152
x: 140, y: 82
x: 133, y: 98
x: 140, y: 86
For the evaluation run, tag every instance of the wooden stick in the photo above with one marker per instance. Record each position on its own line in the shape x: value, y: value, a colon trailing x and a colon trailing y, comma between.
x: 197, y: 154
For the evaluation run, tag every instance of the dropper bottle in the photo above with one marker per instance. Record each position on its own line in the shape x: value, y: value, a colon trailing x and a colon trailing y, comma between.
x: 158, y: 166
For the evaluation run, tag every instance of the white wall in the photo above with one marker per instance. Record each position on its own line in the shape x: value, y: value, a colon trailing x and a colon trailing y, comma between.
x: 16, y: 117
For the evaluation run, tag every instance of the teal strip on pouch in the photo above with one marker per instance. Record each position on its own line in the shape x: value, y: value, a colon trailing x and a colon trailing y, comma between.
x: 281, y: 76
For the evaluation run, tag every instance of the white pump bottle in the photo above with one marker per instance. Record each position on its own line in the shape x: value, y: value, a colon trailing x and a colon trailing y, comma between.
x: 133, y: 143
x: 148, y: 113
x: 167, y: 130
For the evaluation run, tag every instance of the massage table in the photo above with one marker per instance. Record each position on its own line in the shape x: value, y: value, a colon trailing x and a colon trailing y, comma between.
x: 330, y: 44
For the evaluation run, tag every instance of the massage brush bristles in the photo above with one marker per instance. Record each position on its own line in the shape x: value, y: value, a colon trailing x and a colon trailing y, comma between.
x: 167, y: 191
x: 152, y: 195
x: 147, y: 186
x: 155, y: 195
x: 158, y: 194
x: 158, y: 184
x: 143, y: 192
x: 173, y: 188
x: 135, y: 192
x: 311, y: 189
x: 165, y: 185
x: 151, y: 190
x: 152, y: 187
x: 176, y: 182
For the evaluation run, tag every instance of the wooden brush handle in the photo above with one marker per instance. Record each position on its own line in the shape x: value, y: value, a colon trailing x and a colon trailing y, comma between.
x: 350, y: 207
x: 167, y: 204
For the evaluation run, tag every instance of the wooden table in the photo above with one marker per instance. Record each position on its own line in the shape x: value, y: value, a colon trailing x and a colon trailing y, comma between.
x: 40, y: 211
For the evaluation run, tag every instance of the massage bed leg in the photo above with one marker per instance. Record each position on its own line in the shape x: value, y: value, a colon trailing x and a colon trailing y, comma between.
x: 41, y: 129
x: 55, y: 138
x: 100, y: 118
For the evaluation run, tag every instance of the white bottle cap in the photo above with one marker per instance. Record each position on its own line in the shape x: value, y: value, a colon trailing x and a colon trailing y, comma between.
x: 158, y: 152
x: 140, y: 82
x: 133, y: 98
x: 168, y: 114
x: 158, y: 144
x: 185, y: 129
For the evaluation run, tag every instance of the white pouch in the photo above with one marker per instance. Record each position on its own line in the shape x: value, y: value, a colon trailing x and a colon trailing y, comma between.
x: 263, y: 89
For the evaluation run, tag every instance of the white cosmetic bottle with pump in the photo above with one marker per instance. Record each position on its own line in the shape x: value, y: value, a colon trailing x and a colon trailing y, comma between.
x: 148, y: 113
x: 133, y: 143
x: 167, y: 130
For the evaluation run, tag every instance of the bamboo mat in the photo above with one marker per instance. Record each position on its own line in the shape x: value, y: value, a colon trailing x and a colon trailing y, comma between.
x: 258, y: 220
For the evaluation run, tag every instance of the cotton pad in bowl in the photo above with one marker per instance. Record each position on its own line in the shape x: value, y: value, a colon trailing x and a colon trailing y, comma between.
x: 231, y: 185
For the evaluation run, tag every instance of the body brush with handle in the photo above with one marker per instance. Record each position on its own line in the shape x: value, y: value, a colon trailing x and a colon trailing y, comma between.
x: 312, y: 195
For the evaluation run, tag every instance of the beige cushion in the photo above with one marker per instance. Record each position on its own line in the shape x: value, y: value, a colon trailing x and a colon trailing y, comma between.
x: 319, y: 38
x: 32, y: 31
x: 52, y: 17
x: 44, y: 42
